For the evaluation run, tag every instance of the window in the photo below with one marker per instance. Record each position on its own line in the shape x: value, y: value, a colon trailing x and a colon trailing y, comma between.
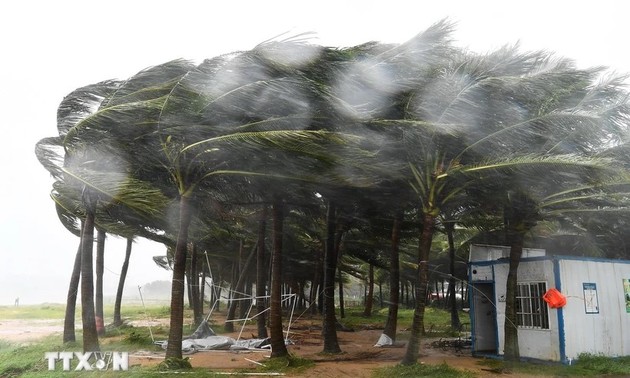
x: 531, y: 309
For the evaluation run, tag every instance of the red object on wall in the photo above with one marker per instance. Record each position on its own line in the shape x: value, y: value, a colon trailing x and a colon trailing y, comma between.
x: 554, y: 298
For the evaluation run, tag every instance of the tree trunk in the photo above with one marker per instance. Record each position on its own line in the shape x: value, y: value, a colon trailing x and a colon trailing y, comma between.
x: 380, y: 293
x: 238, y: 289
x: 71, y: 299
x: 278, y: 346
x: 417, y: 326
x: 189, y: 279
x: 314, y: 297
x: 519, y: 216
x: 261, y: 276
x: 100, y: 268
x: 394, y: 280
x: 202, y: 288
x: 246, y: 304
x: 338, y: 239
x: 329, y: 329
x: 369, y: 301
x: 121, y: 284
x: 235, y: 295
x: 197, y: 304
x: 455, y: 323
x: 406, y: 285
x: 511, y: 349
x: 342, y: 310
x: 174, y: 348
x: 90, y: 336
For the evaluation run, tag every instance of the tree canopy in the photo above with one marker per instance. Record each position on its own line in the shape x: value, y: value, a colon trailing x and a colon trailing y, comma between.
x: 190, y: 153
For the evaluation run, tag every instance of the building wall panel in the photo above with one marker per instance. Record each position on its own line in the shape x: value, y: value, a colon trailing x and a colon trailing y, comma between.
x: 605, y: 331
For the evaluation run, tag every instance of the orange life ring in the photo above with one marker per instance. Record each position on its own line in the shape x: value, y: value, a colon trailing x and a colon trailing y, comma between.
x: 554, y: 298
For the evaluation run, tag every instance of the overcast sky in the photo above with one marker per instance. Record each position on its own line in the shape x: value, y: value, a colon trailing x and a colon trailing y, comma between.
x: 50, y: 48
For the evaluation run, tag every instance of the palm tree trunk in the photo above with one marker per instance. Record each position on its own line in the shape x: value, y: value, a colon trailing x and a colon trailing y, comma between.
x: 100, y: 268
x: 194, y: 276
x: 417, y: 326
x: 369, y: 301
x: 202, y: 288
x: 380, y: 293
x: 511, y: 349
x: 261, y: 276
x: 71, y: 299
x: 174, y: 348
x: 394, y: 280
x: 228, y: 326
x: 90, y: 336
x: 278, y: 346
x: 329, y: 330
x: 342, y: 310
x: 314, y: 295
x: 189, y: 280
x: 121, y: 284
x: 455, y: 323
x: 238, y: 288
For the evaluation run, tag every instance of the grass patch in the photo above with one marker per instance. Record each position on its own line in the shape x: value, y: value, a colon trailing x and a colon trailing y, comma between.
x: 40, y: 311
x: 586, y: 366
x: 420, y: 370
x: 127, y: 338
x: 17, y: 360
x: 57, y: 311
x: 290, y: 364
x: 437, y: 321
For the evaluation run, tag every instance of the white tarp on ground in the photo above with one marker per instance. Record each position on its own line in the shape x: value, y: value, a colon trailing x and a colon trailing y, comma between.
x: 204, y: 338
x: 218, y: 343
x: 384, y: 340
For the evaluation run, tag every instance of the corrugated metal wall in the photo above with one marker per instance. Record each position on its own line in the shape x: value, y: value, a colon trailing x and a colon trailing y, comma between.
x: 606, y: 331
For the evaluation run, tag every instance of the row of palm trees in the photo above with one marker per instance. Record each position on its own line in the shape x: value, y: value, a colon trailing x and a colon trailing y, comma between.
x: 330, y: 144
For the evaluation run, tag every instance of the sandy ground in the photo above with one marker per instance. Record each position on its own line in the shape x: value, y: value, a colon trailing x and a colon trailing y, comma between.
x: 24, y: 331
x: 358, y: 359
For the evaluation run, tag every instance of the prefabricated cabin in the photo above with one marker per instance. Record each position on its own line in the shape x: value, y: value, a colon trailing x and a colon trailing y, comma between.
x: 594, y: 320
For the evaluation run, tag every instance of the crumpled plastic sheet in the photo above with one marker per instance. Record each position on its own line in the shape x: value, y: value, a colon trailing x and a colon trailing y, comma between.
x: 218, y: 343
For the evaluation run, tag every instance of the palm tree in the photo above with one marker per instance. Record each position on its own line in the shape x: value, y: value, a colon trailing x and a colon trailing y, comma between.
x: 394, y: 281
x: 256, y: 122
x: 487, y: 108
x: 100, y: 267
x: 329, y: 330
x: 261, y: 282
x: 71, y: 300
x: 62, y: 157
x: 121, y: 284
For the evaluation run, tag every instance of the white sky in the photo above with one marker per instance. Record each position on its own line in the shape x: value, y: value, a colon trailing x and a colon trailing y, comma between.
x: 49, y: 48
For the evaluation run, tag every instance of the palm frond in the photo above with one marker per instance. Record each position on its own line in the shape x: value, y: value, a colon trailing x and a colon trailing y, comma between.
x: 50, y: 153
x: 119, y: 188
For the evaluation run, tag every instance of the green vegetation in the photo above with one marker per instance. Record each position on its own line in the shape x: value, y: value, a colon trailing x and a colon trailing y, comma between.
x: 28, y: 360
x: 16, y: 360
x: 420, y: 370
x: 437, y: 321
x: 170, y: 364
x: 41, y: 311
x: 586, y: 365
x: 57, y: 311
x: 287, y: 365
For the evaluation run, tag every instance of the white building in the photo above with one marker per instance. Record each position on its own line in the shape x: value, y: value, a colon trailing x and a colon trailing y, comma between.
x: 595, y: 319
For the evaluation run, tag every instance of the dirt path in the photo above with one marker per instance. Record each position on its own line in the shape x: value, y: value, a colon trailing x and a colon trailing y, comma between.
x: 22, y: 331
x: 358, y: 360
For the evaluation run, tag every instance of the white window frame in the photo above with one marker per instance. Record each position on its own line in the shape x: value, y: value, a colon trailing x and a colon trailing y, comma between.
x: 531, y: 310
